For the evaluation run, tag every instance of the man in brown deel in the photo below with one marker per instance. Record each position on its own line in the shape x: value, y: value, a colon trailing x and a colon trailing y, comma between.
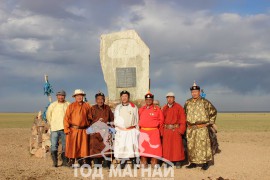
x: 100, y: 112
x: 77, y: 119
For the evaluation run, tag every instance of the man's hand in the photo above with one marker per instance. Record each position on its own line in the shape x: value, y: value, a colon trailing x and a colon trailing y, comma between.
x: 67, y: 131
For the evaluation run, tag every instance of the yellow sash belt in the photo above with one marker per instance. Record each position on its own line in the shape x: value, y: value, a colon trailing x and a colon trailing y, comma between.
x: 148, y: 129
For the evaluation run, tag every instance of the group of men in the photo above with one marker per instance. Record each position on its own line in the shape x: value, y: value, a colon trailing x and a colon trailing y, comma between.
x: 144, y: 136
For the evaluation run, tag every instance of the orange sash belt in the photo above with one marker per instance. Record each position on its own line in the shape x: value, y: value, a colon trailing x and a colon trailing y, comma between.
x: 148, y: 129
x: 197, y: 126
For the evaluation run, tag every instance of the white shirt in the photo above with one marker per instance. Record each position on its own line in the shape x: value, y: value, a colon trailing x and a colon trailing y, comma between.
x: 126, y: 116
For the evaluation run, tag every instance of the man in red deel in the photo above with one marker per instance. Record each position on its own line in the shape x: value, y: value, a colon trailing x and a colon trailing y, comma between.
x: 151, y: 126
x: 174, y: 129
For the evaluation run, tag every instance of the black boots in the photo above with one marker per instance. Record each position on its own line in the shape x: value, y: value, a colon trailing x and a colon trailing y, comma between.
x: 123, y: 164
x: 178, y: 165
x: 97, y: 162
x: 205, y: 166
x: 64, y: 159
x: 71, y: 161
x: 106, y: 164
x: 167, y: 165
x: 82, y: 161
x: 192, y: 165
x: 135, y: 163
x: 54, y: 158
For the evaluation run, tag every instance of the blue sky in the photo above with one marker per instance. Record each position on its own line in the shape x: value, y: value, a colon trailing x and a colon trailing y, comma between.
x: 243, y: 7
x: 223, y: 45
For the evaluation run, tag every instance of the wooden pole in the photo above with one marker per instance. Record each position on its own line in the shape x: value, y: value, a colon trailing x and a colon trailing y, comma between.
x: 149, y: 83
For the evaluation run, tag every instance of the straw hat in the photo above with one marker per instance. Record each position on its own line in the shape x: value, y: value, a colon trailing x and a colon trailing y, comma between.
x: 78, y: 92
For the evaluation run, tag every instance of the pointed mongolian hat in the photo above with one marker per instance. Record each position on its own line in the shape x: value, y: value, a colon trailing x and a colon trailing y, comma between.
x: 100, y: 94
x: 149, y: 95
x: 195, y: 87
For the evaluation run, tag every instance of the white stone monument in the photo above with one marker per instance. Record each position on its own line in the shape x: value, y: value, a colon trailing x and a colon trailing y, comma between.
x: 125, y: 60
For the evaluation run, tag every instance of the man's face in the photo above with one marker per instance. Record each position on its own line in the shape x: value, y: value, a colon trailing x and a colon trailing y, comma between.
x: 195, y: 94
x: 100, y: 100
x: 156, y: 102
x: 60, y: 98
x: 170, y: 99
x: 124, y: 99
x: 149, y: 101
x: 79, y: 98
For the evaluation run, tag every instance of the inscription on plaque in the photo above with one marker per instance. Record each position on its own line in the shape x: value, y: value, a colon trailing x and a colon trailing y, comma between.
x: 125, y: 77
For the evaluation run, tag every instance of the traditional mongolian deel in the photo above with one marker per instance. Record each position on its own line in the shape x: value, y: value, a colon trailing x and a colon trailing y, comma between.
x: 77, y: 119
x: 126, y: 125
x: 151, y: 128
x: 174, y: 129
x: 200, y: 113
x: 104, y: 114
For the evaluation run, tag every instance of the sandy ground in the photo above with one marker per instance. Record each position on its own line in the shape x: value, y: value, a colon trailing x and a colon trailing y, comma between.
x: 243, y: 156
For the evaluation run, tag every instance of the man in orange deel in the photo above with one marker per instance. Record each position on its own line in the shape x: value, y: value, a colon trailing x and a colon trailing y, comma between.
x: 76, y: 121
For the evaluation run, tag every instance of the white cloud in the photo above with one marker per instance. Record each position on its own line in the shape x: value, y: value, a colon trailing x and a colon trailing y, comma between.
x: 224, y: 63
x: 25, y: 45
x: 230, y: 18
x: 76, y: 11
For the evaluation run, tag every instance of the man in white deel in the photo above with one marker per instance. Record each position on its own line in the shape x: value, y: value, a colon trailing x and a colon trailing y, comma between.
x: 55, y: 116
x: 127, y: 134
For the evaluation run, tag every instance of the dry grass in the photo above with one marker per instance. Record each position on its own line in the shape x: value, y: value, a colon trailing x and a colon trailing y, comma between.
x: 245, y: 154
x: 245, y: 122
x: 16, y: 120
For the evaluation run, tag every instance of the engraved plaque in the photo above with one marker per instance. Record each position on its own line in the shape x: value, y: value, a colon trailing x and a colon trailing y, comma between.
x: 125, y: 77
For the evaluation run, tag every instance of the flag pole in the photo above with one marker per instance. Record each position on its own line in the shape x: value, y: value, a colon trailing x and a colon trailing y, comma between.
x: 47, y: 91
x: 47, y: 82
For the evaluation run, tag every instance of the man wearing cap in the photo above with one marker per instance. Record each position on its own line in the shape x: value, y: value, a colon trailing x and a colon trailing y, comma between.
x: 151, y: 128
x: 77, y: 119
x: 200, y: 115
x: 55, y: 117
x: 100, y: 112
x: 126, y: 126
x: 174, y: 129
